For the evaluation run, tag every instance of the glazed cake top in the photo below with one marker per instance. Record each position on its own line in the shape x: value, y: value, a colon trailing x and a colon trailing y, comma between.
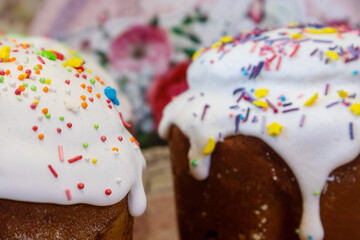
x: 63, y: 138
x: 296, y: 88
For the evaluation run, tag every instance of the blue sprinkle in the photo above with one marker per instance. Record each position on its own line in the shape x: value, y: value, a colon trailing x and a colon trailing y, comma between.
x: 310, y: 237
x: 252, y: 90
x: 282, y: 98
x: 241, y: 117
x: 355, y: 72
x: 111, y: 94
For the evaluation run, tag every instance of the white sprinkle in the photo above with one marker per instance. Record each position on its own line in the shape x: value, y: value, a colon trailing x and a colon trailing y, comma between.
x: 12, y: 83
x: 118, y: 180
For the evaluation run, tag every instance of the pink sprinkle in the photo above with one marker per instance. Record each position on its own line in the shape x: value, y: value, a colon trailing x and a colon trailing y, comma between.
x: 295, y: 50
x: 53, y: 171
x: 300, y: 96
x: 40, y: 59
x: 61, y: 153
x: 254, y: 47
x: 68, y: 194
x: 278, y: 63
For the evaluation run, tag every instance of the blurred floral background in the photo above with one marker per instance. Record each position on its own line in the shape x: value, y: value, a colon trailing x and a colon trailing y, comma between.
x: 146, y: 46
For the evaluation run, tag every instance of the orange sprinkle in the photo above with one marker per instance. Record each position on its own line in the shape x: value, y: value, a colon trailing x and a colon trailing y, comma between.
x: 102, y: 82
x: 13, y: 59
x: 21, y: 88
x: 90, y: 90
x: 45, y: 111
x: 13, y: 40
x: 21, y: 77
x: 83, y: 85
x: 16, y: 45
x: 37, y: 72
x: 97, y: 78
x: 98, y: 95
x: 45, y: 89
x: 115, y: 149
x: 7, y: 72
x: 79, y: 70
x: 24, y: 46
x: 39, y: 66
x: 132, y: 139
x: 83, y: 97
x: 84, y: 105
x: 41, y: 136
x: 20, y: 67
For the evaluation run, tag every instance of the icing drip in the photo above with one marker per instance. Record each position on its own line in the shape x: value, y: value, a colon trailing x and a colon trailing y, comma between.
x: 313, y: 138
x: 62, y: 140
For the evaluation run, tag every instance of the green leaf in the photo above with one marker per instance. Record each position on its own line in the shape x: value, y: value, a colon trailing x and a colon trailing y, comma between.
x: 178, y: 31
x: 189, y: 51
x: 194, y: 38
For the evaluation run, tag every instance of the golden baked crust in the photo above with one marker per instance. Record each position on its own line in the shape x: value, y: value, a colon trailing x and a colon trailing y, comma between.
x: 252, y: 194
x: 23, y: 220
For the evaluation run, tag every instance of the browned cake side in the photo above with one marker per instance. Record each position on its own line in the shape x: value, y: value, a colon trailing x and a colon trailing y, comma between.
x: 252, y: 194
x: 23, y: 220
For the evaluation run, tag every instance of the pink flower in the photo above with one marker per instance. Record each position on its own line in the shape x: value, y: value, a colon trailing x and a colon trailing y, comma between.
x: 140, y: 46
x: 165, y: 87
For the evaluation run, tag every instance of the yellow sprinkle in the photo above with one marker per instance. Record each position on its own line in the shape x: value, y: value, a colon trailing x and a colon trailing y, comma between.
x: 197, y: 53
x: 5, y: 53
x: 48, y: 81
x: 64, y: 64
x: 36, y: 102
x: 332, y: 55
x: 296, y: 35
x: 226, y: 39
x: 329, y: 30
x: 74, y: 62
x: 210, y: 146
x: 216, y: 45
x: 261, y: 104
x: 89, y: 70
x: 293, y: 24
x: 311, y: 100
x: 343, y: 94
x: 326, y: 30
x: 355, y: 108
x: 274, y: 129
x: 94, y: 160
x: 262, y: 92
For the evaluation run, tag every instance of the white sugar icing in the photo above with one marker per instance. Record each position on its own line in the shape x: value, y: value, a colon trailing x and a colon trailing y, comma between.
x: 48, y: 43
x: 111, y: 159
x: 314, y: 139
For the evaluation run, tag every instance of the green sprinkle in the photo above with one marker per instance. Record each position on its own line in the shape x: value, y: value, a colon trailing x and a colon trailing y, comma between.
x: 48, y: 115
x: 61, y: 118
x: 92, y: 81
x: 49, y: 55
x: 194, y: 163
x: 19, y: 98
x: 85, y: 145
x: 42, y: 80
x: 33, y: 87
x: 1, y: 79
x: 36, y: 68
x: 27, y: 59
x: 96, y: 126
x: 297, y: 231
x: 26, y: 84
x: 69, y: 70
x: 37, y: 53
x: 316, y: 193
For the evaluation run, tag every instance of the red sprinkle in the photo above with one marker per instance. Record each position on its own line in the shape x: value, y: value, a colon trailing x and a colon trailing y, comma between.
x: 67, y: 82
x: 295, y: 50
x: 77, y: 158
x: 103, y: 138
x: 108, y: 100
x: 61, y: 153
x: 84, y: 76
x: 68, y: 194
x: 110, y: 106
x: 123, y: 121
x: 17, y: 91
x: 58, y: 130
x: 120, y: 138
x: 80, y: 186
x: 69, y: 125
x: 35, y: 128
x: 108, y: 192
x: 41, y: 60
x: 33, y: 106
x: 53, y: 171
x: 91, y: 99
